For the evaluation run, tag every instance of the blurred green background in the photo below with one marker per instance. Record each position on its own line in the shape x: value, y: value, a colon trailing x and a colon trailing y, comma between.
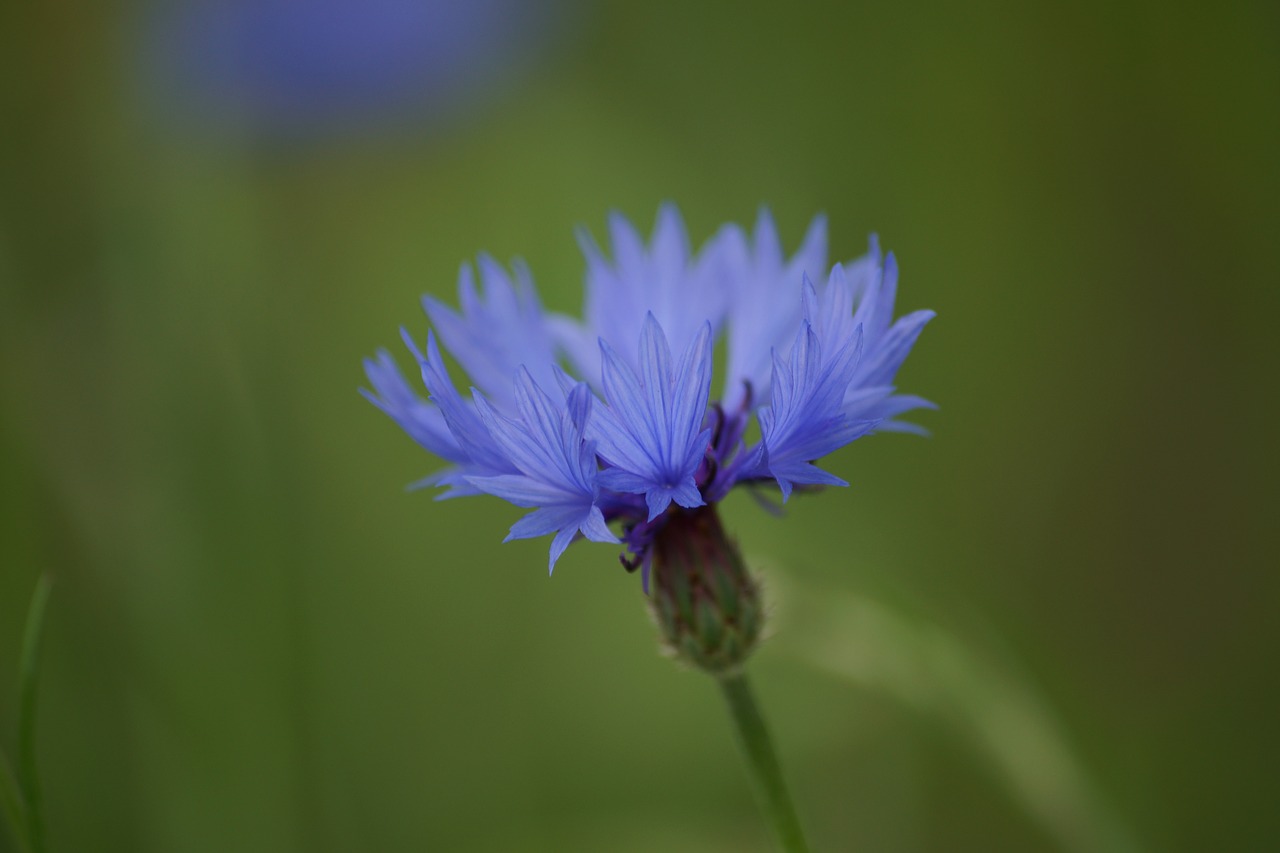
x: 1050, y: 626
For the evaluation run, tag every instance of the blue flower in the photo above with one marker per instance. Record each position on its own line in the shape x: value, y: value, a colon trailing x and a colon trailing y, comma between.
x: 632, y: 436
x: 298, y: 68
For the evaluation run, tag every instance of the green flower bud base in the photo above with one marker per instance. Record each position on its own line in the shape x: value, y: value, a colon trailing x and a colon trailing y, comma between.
x: 705, y: 602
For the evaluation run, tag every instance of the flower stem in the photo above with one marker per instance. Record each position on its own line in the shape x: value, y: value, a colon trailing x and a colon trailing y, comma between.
x: 766, y: 775
x: 27, y: 777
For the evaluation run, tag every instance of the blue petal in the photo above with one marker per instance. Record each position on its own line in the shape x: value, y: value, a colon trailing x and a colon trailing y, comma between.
x: 804, y: 421
x: 595, y: 528
x: 561, y: 521
x: 419, y: 418
x: 687, y: 495
x: 561, y: 541
x: 622, y: 480
x: 658, y: 500
x: 688, y: 406
x: 628, y: 437
x: 881, y: 363
x: 540, y: 522
x: 545, y: 442
x: 887, y: 345
x: 885, y: 408
x: 497, y: 332
x: 650, y: 432
x: 483, y: 456
x: 804, y: 474
x: 682, y: 290
x: 522, y: 490
x: 763, y: 313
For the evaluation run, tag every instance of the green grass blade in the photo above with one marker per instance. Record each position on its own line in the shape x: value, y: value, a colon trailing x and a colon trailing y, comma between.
x: 28, y: 779
x: 936, y: 673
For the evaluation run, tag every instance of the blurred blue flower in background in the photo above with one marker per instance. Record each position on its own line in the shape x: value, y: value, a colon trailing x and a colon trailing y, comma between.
x: 637, y: 442
x: 297, y: 67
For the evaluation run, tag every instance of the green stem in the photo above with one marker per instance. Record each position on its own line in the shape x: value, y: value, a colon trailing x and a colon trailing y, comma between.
x: 27, y: 777
x: 766, y: 775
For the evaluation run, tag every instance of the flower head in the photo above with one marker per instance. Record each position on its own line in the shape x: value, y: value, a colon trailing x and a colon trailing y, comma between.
x: 294, y: 69
x: 611, y: 419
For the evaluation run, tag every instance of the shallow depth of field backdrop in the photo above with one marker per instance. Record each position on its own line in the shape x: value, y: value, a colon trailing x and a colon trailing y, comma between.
x: 1050, y: 626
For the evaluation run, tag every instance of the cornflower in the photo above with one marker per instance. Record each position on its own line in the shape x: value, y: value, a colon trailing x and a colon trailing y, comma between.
x: 610, y: 420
